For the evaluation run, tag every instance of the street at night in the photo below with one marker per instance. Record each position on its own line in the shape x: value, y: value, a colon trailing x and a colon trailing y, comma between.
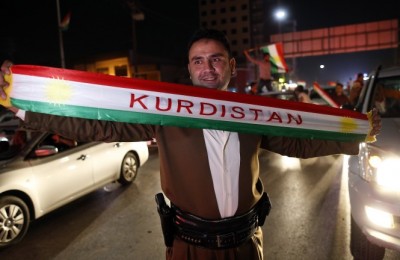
x: 204, y: 79
x: 309, y: 218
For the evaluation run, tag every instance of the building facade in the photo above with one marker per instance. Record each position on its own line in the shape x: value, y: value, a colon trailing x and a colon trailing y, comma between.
x: 243, y: 23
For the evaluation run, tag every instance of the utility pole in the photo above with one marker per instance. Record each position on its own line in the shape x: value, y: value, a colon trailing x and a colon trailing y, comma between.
x: 60, y: 36
x: 294, y: 48
x: 136, y: 15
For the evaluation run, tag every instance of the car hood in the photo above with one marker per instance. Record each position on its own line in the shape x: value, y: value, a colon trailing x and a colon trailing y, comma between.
x: 389, y: 139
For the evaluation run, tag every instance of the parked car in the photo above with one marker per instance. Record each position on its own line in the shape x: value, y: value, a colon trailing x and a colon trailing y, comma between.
x: 284, y: 95
x: 374, y: 176
x: 40, y: 172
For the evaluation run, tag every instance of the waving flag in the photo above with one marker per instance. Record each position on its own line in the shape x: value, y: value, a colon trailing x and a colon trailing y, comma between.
x: 103, y: 97
x: 325, y: 95
x: 64, y: 24
x: 276, y: 57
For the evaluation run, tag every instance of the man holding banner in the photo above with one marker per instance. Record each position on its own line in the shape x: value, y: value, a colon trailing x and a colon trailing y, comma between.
x: 264, y: 70
x: 208, y: 171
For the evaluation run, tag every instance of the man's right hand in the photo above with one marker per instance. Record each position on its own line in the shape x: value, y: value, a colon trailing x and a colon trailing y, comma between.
x: 5, y: 70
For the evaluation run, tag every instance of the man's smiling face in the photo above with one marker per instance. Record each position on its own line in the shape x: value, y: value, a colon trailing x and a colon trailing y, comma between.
x: 209, y: 64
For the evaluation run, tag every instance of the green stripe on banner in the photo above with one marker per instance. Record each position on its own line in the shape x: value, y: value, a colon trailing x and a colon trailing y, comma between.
x: 156, y: 119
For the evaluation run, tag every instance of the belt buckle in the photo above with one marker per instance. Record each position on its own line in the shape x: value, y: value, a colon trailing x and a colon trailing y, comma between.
x: 222, y: 239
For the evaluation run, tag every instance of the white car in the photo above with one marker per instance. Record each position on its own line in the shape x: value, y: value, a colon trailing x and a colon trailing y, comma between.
x: 374, y: 175
x: 40, y: 172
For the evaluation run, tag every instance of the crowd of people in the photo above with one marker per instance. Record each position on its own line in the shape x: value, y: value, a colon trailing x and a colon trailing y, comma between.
x: 301, y: 94
x: 340, y: 96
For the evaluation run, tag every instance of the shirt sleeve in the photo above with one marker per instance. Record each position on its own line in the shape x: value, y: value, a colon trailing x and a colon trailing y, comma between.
x: 21, y: 114
x: 307, y: 148
x: 86, y: 130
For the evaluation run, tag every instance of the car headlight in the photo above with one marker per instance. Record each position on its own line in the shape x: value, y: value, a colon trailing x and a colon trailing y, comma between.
x: 387, y: 173
x: 382, y: 168
x: 379, y: 217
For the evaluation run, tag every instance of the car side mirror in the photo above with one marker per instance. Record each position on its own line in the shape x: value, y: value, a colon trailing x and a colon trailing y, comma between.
x: 45, y: 150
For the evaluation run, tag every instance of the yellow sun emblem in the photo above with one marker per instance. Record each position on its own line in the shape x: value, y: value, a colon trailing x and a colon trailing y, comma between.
x: 348, y: 125
x: 58, y: 91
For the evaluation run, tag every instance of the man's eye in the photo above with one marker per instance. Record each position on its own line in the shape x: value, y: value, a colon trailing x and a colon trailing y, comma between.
x: 216, y: 59
x: 197, y: 62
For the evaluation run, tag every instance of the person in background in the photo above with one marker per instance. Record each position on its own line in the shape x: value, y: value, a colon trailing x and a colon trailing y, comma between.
x: 301, y: 94
x: 217, y: 199
x: 264, y: 71
x: 356, y: 88
x: 339, y: 97
x: 253, y: 88
x: 19, y: 139
x: 359, y: 80
x: 380, y: 98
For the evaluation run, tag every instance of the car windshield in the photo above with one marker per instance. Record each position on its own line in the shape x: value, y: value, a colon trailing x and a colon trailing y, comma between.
x: 386, y: 97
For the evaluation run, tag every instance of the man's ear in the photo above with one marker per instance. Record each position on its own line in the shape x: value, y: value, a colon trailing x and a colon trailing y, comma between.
x: 232, y: 64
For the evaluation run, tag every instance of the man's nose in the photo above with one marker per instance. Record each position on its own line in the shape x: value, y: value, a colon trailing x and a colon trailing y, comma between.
x: 210, y: 65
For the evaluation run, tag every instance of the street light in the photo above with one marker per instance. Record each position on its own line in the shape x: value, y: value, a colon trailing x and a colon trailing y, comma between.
x: 136, y: 15
x: 281, y: 16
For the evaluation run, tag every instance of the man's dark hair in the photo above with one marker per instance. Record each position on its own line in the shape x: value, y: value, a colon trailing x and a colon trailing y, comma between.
x: 212, y: 35
x: 300, y: 88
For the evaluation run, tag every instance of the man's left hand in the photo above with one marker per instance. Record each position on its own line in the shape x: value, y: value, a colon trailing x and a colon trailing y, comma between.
x: 376, y: 122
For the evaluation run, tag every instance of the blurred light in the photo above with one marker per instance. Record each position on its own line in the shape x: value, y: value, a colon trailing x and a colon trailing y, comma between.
x: 138, y: 16
x: 290, y: 86
x: 280, y: 14
x: 290, y: 163
x: 387, y: 174
x: 321, y: 66
x: 281, y: 80
x: 379, y: 217
x: 375, y: 161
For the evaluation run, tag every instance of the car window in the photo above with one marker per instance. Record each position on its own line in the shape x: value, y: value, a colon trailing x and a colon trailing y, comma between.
x: 61, y: 143
x: 386, y: 96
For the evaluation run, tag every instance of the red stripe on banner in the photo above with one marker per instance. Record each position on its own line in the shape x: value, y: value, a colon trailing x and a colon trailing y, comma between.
x: 177, y: 89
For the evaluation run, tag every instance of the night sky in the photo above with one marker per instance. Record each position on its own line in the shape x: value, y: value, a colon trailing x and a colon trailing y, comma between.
x: 29, y: 29
x: 314, y: 14
x: 96, y: 26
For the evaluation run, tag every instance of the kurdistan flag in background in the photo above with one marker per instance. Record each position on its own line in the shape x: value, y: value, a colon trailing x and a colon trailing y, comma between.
x: 64, y: 24
x: 278, y: 63
x: 325, y: 95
